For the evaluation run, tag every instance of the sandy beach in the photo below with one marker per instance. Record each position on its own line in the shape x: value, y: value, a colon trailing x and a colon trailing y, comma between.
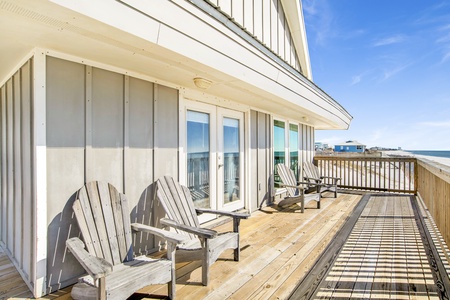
x: 396, y: 153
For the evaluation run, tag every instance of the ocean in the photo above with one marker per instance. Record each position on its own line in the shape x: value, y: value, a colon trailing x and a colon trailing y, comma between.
x: 438, y: 153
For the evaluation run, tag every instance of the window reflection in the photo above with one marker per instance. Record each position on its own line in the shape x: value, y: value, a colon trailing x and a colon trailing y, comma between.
x: 231, y: 160
x: 198, y: 157
x: 279, y: 146
x: 293, y: 148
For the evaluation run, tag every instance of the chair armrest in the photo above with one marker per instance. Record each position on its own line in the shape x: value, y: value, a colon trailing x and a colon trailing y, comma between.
x: 301, y: 187
x: 222, y: 213
x: 95, y: 266
x: 169, y: 236
x: 309, y: 183
x: 318, y: 180
x: 201, y: 232
x: 330, y: 177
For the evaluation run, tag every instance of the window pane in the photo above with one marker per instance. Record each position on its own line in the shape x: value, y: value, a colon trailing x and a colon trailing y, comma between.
x: 279, y: 146
x: 231, y: 160
x: 293, y: 148
x: 198, y: 157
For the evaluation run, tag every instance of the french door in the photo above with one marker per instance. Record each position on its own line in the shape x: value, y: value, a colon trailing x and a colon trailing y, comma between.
x: 214, y: 157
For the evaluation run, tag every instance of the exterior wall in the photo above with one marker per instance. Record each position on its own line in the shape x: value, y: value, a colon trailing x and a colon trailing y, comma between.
x: 305, y: 152
x: 266, y: 21
x: 98, y: 125
x: 16, y: 188
x: 102, y: 126
x: 307, y: 145
x: 261, y: 185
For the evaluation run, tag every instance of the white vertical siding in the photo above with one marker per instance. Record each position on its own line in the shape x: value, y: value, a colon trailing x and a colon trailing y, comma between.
x: 248, y: 17
x: 39, y: 138
x: 237, y: 11
x: 16, y: 194
x: 274, y: 25
x: 307, y: 142
x: 264, y: 19
x: 266, y: 23
x: 257, y: 19
x: 101, y: 126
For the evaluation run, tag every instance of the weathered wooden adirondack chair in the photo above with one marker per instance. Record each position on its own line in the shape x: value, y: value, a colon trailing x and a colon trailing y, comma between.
x: 312, y: 175
x: 203, y: 244
x: 103, y: 217
x: 295, y: 189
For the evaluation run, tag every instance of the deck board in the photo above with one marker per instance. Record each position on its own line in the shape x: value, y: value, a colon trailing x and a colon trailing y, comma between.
x: 383, y: 257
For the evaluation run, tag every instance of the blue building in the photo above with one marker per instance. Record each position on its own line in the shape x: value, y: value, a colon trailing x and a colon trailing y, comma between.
x: 350, y: 146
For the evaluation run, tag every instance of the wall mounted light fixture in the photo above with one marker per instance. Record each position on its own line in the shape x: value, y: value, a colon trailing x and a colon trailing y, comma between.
x: 202, y: 83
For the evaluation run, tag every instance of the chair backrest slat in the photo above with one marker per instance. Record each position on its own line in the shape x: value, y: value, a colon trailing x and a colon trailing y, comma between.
x: 177, y: 202
x: 288, y: 177
x: 103, y: 218
x: 311, y: 170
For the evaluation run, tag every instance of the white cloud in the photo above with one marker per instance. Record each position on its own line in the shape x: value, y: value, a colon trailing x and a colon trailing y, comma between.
x: 356, y: 79
x: 389, y: 73
x: 389, y: 40
x: 320, y: 19
x: 441, y: 124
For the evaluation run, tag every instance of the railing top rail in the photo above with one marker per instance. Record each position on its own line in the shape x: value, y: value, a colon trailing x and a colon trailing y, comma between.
x: 363, y: 158
x: 438, y: 169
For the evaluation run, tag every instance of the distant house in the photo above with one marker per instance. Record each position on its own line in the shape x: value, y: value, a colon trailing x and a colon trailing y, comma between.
x: 350, y: 146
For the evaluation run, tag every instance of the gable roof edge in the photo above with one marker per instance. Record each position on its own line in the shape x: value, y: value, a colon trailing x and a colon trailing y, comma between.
x: 294, y: 15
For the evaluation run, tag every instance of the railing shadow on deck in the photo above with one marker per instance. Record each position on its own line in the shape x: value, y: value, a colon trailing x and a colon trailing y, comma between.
x: 418, y: 176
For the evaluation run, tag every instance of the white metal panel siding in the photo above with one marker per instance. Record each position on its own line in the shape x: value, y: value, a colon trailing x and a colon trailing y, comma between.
x: 65, y: 110
x: 101, y: 126
x: 16, y: 194
x: 307, y: 142
x: 264, y: 19
x: 260, y: 164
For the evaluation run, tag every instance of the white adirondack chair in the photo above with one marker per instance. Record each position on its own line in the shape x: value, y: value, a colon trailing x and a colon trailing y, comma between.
x: 103, y: 217
x: 312, y: 175
x: 295, y: 189
x: 203, y: 244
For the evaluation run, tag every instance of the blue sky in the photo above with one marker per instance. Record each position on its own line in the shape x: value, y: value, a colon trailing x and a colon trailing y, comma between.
x: 388, y: 63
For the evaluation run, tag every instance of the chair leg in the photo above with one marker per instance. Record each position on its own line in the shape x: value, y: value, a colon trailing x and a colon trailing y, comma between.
x: 237, y: 252
x: 171, y: 285
x: 102, y: 289
x: 303, y: 204
x: 205, y: 263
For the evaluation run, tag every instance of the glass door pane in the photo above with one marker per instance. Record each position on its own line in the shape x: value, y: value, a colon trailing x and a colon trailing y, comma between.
x: 231, y: 160
x: 293, y: 148
x: 198, y: 157
x: 279, y: 146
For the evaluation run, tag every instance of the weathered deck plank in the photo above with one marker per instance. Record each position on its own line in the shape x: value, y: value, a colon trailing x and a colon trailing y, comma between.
x: 383, y: 258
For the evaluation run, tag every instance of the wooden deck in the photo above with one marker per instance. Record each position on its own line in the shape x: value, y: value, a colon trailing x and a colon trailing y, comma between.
x: 280, y: 247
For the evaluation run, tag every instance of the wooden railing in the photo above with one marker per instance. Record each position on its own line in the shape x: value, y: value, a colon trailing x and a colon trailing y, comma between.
x: 396, y: 175
x: 433, y: 186
x: 422, y: 177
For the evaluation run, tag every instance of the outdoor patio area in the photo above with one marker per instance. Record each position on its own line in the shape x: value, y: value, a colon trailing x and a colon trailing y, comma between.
x: 280, y: 246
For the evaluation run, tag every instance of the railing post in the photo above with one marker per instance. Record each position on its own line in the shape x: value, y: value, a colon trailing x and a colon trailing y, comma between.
x: 416, y: 176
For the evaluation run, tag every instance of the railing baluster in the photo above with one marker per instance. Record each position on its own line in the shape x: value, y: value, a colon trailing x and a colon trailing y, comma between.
x: 368, y: 173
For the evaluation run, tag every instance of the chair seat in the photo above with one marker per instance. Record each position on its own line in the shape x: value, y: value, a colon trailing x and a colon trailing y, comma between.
x: 118, y: 286
x: 192, y: 250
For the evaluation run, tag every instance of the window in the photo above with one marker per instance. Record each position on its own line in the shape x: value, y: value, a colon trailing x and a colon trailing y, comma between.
x: 279, y: 145
x: 293, y: 148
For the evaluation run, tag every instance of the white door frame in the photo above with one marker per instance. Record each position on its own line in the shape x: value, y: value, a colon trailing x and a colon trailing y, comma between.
x: 221, y: 114
x: 214, y: 113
